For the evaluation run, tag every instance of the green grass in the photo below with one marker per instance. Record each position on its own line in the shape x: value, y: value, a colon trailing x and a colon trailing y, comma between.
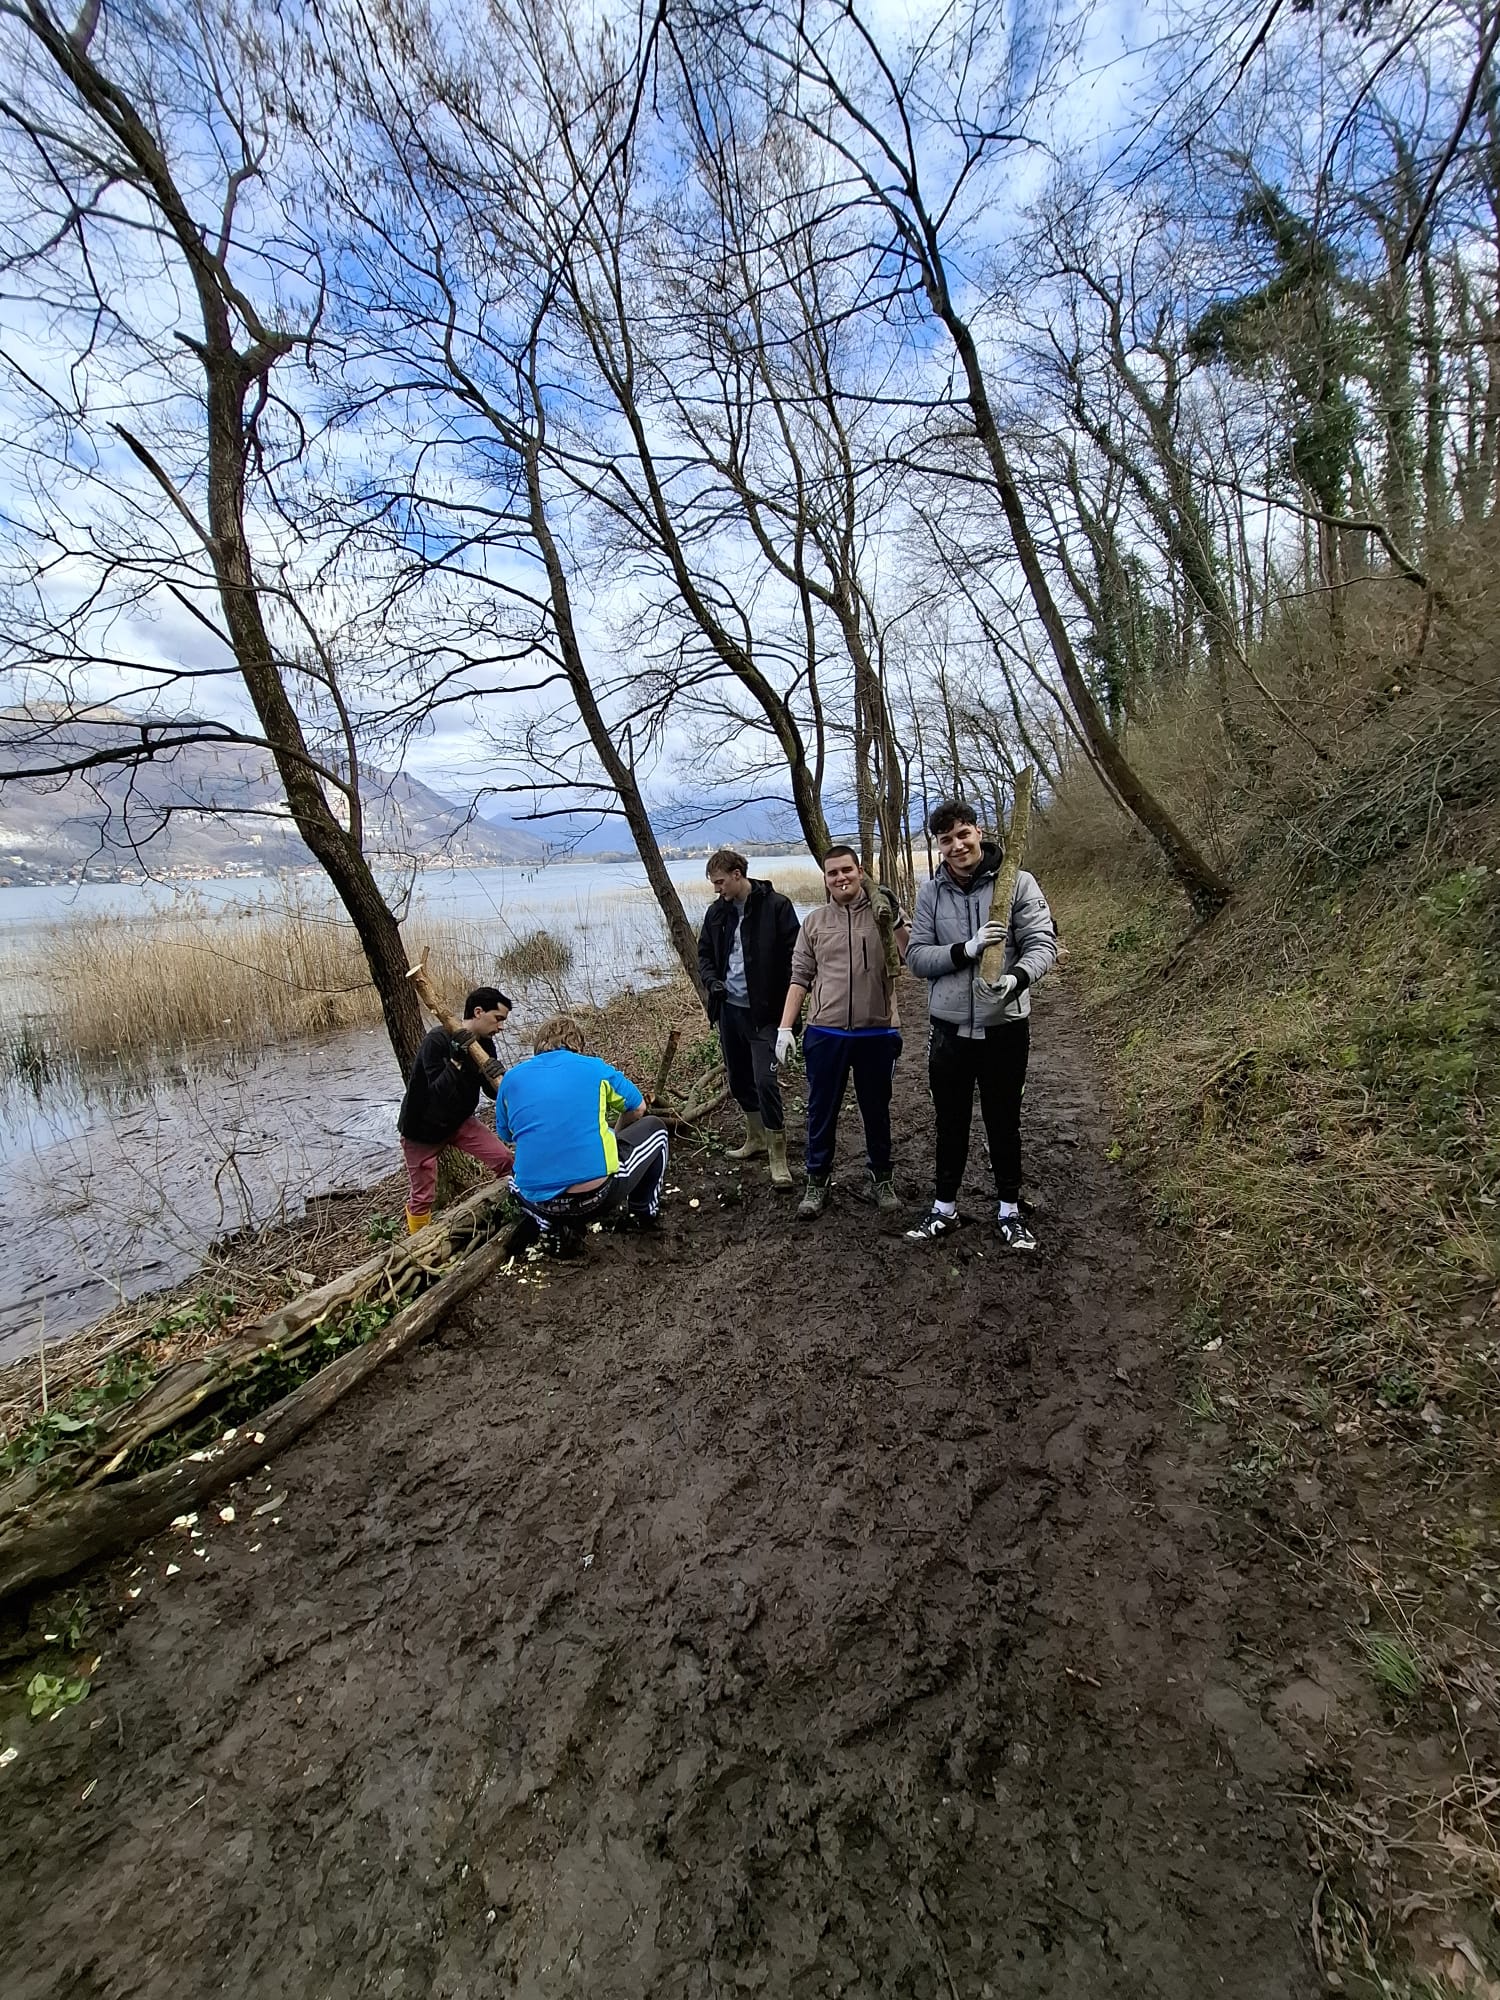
x: 1395, y: 1666
x: 1313, y: 1115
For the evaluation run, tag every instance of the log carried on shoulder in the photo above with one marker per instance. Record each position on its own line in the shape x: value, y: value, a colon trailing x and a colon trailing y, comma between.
x: 489, y: 1067
x: 992, y: 960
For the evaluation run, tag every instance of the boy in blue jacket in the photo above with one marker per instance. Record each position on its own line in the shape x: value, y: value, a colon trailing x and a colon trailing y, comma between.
x: 586, y: 1150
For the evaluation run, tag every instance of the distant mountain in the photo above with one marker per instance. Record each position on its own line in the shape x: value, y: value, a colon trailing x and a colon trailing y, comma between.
x: 200, y: 810
x: 677, y: 824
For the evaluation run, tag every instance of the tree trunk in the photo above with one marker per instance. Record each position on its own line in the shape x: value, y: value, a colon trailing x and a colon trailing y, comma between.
x: 330, y: 844
x: 229, y: 374
x: 1205, y: 888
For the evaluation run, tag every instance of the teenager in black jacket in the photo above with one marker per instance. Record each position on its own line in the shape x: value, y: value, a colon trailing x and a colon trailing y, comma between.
x: 745, y: 959
x: 442, y: 1094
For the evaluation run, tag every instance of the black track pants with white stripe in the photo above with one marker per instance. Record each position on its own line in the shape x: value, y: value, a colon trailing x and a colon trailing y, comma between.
x: 643, y: 1165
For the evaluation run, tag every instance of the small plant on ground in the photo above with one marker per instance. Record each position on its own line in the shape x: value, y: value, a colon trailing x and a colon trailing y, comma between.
x: 47, y: 1693
x: 1396, y: 1666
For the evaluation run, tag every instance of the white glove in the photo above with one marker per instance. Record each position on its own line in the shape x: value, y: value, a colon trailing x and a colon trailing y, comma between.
x: 786, y: 1041
x: 1003, y: 989
x: 987, y: 934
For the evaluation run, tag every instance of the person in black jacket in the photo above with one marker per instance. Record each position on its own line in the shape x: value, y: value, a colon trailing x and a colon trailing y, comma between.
x: 442, y: 1093
x: 745, y: 959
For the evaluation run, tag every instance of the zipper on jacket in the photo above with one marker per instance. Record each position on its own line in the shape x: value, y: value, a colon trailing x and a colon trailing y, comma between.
x: 969, y: 919
x: 849, y: 990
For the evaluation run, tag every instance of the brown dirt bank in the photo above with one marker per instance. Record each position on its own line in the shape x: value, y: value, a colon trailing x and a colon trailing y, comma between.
x: 759, y: 1609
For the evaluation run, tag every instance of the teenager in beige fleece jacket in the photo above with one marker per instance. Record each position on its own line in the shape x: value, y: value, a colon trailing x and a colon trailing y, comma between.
x: 840, y: 965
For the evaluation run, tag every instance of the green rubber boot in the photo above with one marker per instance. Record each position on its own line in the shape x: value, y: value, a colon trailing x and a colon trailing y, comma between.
x: 781, y: 1172
x: 754, y: 1147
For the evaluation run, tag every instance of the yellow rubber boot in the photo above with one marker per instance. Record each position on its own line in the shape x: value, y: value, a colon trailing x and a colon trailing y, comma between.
x: 417, y: 1219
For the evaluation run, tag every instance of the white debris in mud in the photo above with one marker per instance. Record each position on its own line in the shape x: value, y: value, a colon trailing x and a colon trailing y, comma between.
x: 229, y: 1437
x: 186, y: 1521
x: 8, y: 1756
x: 258, y: 1436
x: 173, y: 1569
x: 226, y: 1513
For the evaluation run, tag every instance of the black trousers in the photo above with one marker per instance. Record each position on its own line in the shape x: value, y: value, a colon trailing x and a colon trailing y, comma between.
x: 997, y: 1064
x: 750, y: 1061
x: 637, y: 1182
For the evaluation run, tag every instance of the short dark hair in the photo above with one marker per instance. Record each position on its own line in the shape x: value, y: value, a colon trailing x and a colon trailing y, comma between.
x: 840, y: 847
x: 727, y: 861
x: 483, y: 998
x: 949, y: 813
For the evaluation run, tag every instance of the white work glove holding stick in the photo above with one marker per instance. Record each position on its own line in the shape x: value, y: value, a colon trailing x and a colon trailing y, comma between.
x: 987, y: 934
x: 1003, y: 989
x: 786, y: 1041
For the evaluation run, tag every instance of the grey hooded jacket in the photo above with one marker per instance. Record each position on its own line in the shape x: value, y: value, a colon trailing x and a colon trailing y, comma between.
x: 948, y: 915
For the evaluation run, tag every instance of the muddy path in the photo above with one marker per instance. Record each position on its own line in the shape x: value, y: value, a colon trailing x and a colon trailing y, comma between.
x: 763, y: 1609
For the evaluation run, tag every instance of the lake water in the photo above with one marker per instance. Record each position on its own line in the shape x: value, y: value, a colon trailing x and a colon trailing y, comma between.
x: 114, y: 1183
x: 533, y: 890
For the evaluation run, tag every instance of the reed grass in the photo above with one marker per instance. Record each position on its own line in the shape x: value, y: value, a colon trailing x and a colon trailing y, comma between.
x: 124, y: 986
x: 120, y: 986
x: 537, y: 954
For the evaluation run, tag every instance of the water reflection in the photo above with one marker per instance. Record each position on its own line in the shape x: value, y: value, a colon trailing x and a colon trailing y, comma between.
x: 114, y: 1183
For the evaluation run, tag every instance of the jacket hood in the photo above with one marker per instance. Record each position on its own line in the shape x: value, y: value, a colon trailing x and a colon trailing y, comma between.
x: 990, y: 856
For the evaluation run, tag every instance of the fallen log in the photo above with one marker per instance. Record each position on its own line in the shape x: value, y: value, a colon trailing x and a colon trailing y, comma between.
x: 59, y: 1533
x: 192, y: 1387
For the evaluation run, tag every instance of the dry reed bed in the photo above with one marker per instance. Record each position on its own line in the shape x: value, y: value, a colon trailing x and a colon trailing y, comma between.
x: 123, y: 985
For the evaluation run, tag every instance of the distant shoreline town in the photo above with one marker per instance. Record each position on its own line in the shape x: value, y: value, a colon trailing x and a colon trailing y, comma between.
x: 25, y: 873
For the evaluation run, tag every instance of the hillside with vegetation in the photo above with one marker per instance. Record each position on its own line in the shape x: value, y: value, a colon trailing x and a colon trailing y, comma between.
x: 1307, y: 1086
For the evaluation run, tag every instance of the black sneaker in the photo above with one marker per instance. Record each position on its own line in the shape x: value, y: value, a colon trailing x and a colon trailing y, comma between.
x: 631, y: 1222
x: 1014, y: 1233
x: 565, y: 1243
x: 933, y: 1225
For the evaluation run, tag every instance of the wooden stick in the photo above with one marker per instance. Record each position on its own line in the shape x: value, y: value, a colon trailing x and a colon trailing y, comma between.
x: 663, y: 1069
x: 992, y: 959
x: 489, y: 1067
x: 57, y: 1535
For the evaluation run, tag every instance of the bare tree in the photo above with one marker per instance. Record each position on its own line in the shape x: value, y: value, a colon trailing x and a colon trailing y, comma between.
x: 961, y: 95
x: 144, y: 229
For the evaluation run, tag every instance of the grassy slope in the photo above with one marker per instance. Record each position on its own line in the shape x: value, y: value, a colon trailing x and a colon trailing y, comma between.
x: 1310, y: 1089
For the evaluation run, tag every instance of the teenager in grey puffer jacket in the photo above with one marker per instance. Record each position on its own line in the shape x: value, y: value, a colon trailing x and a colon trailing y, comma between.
x: 949, y: 913
x: 979, y: 1037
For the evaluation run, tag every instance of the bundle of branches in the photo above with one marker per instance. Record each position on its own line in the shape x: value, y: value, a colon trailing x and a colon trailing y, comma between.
x: 132, y: 1471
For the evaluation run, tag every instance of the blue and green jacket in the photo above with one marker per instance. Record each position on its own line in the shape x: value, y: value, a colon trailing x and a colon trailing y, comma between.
x: 558, y: 1110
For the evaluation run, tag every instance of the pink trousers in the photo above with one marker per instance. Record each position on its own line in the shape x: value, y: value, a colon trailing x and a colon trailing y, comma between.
x: 421, y: 1161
